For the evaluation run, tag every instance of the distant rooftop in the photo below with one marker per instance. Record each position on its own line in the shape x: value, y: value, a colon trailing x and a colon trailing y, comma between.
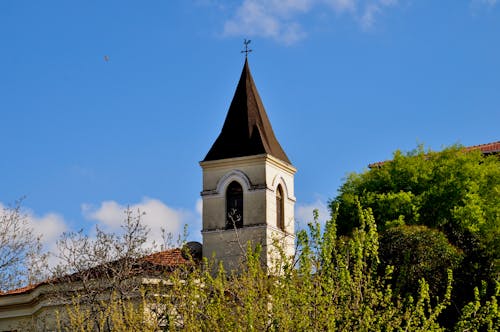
x: 486, y: 149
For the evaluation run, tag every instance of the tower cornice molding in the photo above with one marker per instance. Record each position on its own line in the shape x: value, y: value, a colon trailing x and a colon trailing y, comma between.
x: 248, y: 160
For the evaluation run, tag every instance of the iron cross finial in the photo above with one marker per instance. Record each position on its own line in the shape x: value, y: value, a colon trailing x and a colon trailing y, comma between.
x: 247, y: 50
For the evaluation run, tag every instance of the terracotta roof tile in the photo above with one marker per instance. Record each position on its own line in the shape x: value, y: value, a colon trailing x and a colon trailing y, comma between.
x: 167, y: 258
x: 487, y: 148
x: 21, y: 290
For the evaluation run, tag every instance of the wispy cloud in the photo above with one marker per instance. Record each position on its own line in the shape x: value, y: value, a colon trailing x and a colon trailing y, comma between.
x: 157, y: 216
x: 47, y: 227
x: 480, y: 7
x: 341, y: 6
x: 372, y: 10
x: 304, y: 213
x: 109, y: 216
x: 280, y: 19
x: 489, y: 3
x: 268, y: 18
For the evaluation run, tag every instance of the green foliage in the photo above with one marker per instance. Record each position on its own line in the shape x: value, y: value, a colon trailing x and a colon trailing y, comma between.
x: 117, y: 314
x: 418, y: 252
x: 454, y: 191
x: 451, y: 188
x: 481, y: 314
x: 332, y: 284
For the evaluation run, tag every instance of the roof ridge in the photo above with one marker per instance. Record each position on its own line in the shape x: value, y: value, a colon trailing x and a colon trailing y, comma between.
x: 486, y: 147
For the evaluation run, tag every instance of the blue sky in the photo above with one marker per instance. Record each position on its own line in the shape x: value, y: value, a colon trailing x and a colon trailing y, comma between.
x: 106, y: 103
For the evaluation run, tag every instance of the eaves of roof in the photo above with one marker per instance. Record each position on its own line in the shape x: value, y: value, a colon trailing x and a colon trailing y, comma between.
x: 167, y: 259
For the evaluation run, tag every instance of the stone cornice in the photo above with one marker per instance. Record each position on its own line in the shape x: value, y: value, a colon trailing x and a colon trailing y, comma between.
x: 250, y: 160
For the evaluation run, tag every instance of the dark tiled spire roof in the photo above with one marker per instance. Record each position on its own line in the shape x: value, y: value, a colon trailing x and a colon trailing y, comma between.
x: 247, y: 130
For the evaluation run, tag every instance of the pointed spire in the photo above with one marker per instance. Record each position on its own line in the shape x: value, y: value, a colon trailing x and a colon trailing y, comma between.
x: 247, y: 130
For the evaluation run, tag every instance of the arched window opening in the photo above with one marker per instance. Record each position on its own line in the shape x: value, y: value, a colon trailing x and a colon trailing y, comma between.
x: 280, y: 208
x: 234, y: 206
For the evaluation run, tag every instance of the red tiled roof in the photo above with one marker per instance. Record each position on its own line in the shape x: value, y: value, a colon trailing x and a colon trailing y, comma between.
x: 167, y: 258
x: 21, y: 290
x: 488, y: 148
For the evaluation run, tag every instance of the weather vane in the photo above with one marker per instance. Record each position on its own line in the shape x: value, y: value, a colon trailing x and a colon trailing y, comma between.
x: 247, y: 50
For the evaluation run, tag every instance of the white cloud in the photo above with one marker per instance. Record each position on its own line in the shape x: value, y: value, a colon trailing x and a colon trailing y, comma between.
x: 367, y: 19
x: 279, y: 19
x: 271, y: 19
x: 304, y: 213
x: 489, y: 3
x: 287, y: 7
x: 48, y: 227
x: 217, y: 3
x: 341, y: 6
x: 157, y: 216
x: 109, y: 215
x: 372, y: 10
x: 389, y: 2
x: 199, y: 207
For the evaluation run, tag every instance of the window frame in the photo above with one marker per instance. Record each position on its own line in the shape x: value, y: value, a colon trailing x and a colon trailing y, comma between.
x: 234, y: 205
x: 280, y: 208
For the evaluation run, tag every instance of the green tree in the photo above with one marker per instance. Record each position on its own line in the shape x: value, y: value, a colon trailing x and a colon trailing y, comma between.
x: 454, y: 191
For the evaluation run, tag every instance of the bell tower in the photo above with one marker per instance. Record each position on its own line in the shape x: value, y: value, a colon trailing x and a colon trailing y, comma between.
x: 248, y: 184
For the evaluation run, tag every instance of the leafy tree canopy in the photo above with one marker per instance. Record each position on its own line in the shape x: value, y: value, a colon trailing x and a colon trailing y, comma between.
x: 455, y: 194
x: 455, y: 190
